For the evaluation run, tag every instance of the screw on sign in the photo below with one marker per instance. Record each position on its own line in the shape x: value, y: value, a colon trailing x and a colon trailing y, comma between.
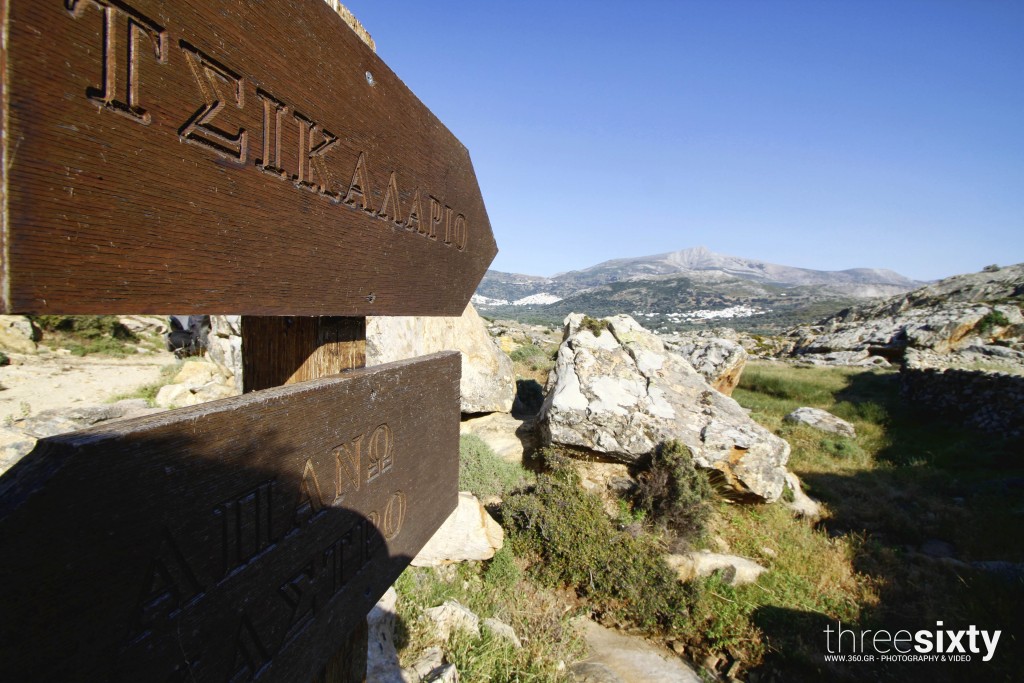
x: 263, y: 144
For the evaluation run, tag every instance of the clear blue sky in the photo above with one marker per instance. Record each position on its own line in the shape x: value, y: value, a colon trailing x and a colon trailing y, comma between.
x: 822, y: 134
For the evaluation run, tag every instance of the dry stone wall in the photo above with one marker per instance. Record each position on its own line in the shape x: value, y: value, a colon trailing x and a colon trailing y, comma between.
x: 991, y: 401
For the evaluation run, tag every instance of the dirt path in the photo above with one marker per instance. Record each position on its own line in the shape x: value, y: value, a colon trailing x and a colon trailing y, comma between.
x: 36, y: 382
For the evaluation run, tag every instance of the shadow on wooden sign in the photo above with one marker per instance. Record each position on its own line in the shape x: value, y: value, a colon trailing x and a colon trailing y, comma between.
x: 175, y: 548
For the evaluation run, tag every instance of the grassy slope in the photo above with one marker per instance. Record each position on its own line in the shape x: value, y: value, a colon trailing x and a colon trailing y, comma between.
x: 906, y: 480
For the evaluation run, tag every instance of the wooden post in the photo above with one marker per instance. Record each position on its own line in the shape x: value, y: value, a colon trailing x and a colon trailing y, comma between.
x: 289, y: 349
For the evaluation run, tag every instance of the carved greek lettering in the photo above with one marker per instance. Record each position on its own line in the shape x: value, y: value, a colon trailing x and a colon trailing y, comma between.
x: 273, y: 112
x: 299, y: 593
x: 250, y: 654
x: 389, y: 205
x: 436, y: 214
x: 347, y: 472
x: 310, y: 497
x: 346, y: 556
x: 448, y: 225
x: 359, y: 186
x: 394, y: 515
x: 212, y: 77
x: 311, y: 158
x: 461, y: 232
x: 245, y: 526
x: 121, y: 22
x: 380, y: 452
x: 412, y: 222
x: 168, y: 586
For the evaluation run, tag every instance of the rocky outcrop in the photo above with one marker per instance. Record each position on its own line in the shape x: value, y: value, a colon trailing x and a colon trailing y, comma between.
x: 19, y: 438
x: 511, y: 438
x: 619, y: 658
x: 197, y: 382
x: 452, y: 616
x: 469, y: 533
x: 18, y: 334
x: 618, y: 391
x: 736, y: 571
x: 224, y: 346
x: 488, y: 379
x: 949, y: 315
x: 822, y: 420
x: 719, y: 361
x: 381, y: 656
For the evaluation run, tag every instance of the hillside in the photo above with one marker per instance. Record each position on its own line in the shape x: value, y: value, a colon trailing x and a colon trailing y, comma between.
x: 683, y: 289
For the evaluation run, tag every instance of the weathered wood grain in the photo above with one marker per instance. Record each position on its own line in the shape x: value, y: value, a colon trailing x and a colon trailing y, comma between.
x: 224, y: 156
x: 288, y: 349
x: 229, y: 541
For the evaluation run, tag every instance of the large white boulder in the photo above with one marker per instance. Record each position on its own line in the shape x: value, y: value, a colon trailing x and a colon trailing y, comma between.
x: 469, y: 533
x: 620, y: 392
x: 488, y: 378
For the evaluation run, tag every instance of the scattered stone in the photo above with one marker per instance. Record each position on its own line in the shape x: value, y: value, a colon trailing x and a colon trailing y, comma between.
x: 802, y: 505
x: 451, y: 616
x: 821, y: 420
x: 144, y: 324
x: 622, y: 392
x: 502, y: 630
x: 738, y: 571
x: 510, y: 438
x: 593, y: 672
x: 469, y: 533
x: 488, y: 378
x: 427, y: 668
x: 619, y: 658
x: 381, y: 657
x: 60, y: 421
x: 197, y: 382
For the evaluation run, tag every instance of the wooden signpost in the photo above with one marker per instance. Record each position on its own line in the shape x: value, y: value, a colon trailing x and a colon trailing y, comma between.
x: 224, y: 156
x: 249, y: 157
x: 226, y: 541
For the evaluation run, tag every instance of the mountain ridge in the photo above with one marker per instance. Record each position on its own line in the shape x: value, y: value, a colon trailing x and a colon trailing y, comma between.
x: 684, y: 287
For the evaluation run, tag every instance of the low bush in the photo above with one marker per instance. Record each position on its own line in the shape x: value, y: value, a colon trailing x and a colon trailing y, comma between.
x: 595, y: 326
x: 675, y: 494
x: 990, y: 321
x: 484, y: 473
x: 564, y: 531
x: 85, y: 334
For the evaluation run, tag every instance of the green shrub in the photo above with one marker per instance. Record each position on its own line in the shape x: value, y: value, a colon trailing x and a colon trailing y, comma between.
x: 595, y: 326
x: 990, y: 321
x: 85, y: 334
x: 573, y: 543
x: 484, y: 473
x: 674, y: 493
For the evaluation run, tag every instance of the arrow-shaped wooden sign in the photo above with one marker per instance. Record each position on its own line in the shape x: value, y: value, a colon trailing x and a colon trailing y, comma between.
x: 224, y: 156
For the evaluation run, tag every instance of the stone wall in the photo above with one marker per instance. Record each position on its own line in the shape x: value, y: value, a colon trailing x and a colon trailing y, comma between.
x: 986, y: 400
